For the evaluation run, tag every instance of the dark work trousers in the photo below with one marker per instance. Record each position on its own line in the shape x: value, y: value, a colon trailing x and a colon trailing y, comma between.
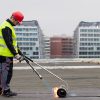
x: 6, y: 71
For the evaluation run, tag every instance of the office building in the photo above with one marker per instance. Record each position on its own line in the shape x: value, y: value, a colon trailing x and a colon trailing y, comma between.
x: 30, y: 39
x: 47, y: 47
x: 61, y: 47
x: 87, y: 40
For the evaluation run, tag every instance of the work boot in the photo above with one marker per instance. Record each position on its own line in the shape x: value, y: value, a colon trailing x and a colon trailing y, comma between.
x: 9, y: 93
x: 0, y: 91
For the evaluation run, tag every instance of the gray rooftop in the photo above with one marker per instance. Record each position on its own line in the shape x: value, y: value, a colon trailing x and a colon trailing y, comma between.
x: 30, y: 23
x: 83, y: 83
x: 87, y: 24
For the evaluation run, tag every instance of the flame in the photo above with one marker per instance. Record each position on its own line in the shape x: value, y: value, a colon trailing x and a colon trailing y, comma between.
x: 55, y: 92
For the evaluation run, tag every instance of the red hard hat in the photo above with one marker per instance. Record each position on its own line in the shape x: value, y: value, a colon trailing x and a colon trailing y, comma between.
x: 18, y: 16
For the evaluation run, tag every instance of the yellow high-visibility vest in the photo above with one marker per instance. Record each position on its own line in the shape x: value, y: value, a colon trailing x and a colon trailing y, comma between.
x: 4, y: 51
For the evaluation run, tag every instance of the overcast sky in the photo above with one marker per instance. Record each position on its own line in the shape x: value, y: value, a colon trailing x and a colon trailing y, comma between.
x: 56, y: 17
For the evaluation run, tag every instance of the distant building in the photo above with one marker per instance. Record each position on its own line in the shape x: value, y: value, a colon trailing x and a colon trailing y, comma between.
x: 47, y: 47
x: 87, y: 40
x: 61, y: 47
x: 30, y: 39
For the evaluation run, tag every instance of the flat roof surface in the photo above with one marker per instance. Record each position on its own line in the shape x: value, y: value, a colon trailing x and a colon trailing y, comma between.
x: 83, y: 84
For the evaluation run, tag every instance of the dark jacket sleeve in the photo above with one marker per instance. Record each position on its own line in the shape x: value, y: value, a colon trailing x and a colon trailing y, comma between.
x: 19, y: 51
x: 7, y: 35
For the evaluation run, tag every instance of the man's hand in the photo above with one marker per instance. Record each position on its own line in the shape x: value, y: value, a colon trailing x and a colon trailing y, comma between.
x: 19, y: 57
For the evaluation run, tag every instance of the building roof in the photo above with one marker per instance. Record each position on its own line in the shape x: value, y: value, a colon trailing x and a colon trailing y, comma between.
x: 85, y: 24
x: 30, y: 23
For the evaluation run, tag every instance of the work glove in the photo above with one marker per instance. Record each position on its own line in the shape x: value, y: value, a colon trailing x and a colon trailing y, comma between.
x: 19, y: 57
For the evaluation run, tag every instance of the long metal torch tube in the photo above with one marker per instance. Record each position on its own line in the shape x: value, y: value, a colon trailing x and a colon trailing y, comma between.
x: 51, y: 73
x: 48, y: 71
x: 34, y: 70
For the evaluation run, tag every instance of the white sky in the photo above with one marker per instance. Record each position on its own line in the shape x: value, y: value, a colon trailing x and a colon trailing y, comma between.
x: 56, y: 17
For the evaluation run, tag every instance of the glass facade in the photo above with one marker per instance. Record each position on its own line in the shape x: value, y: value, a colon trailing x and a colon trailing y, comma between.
x: 87, y: 41
x: 29, y: 37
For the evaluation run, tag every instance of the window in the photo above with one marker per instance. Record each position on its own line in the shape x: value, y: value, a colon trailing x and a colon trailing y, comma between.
x: 35, y: 53
x: 35, y: 57
x: 90, y: 35
x: 90, y: 30
x: 36, y: 48
x: 83, y: 35
x: 83, y: 53
x: 83, y: 30
x: 24, y: 53
x: 32, y: 44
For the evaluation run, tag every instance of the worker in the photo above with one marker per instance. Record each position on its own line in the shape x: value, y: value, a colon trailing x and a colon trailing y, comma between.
x: 8, y: 50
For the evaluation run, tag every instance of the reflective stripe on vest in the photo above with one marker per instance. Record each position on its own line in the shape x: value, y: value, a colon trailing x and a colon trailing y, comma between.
x: 4, y: 51
x: 4, y: 46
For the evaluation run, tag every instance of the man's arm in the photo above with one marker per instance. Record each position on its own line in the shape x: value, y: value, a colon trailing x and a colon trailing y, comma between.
x: 19, y: 51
